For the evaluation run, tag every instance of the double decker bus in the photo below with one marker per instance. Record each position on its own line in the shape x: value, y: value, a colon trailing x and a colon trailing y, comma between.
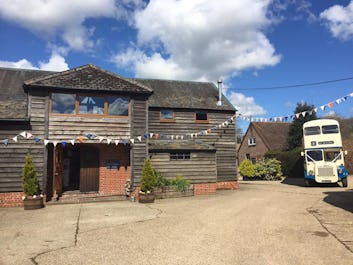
x: 323, y: 154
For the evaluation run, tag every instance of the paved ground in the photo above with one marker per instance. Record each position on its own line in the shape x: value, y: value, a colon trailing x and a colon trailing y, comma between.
x: 262, y: 223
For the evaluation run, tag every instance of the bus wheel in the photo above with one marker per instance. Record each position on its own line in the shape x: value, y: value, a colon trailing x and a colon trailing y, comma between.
x: 307, y: 183
x: 345, y: 182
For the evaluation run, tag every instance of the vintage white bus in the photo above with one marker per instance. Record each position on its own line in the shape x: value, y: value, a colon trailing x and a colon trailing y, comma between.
x: 323, y: 155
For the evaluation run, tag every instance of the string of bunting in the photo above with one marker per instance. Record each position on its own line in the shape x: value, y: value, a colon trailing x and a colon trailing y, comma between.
x: 150, y: 135
x: 288, y: 118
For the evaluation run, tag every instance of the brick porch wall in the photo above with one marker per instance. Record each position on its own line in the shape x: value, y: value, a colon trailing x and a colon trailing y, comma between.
x: 205, y: 188
x: 112, y: 181
x: 227, y: 185
x: 11, y: 199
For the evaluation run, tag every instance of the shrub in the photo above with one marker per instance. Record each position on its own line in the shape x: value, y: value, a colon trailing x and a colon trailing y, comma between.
x: 29, y: 177
x: 161, y: 180
x: 270, y: 169
x: 148, y: 178
x: 180, y: 183
x: 247, y: 169
x: 291, y: 161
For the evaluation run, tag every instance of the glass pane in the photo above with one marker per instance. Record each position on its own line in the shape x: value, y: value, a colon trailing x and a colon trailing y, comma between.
x: 118, y: 106
x: 315, y: 155
x: 329, y: 129
x: 201, y: 116
x: 63, y: 103
x: 91, y: 105
x: 312, y: 130
x: 167, y: 114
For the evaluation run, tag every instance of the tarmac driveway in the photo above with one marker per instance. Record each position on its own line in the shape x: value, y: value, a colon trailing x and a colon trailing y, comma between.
x: 262, y: 223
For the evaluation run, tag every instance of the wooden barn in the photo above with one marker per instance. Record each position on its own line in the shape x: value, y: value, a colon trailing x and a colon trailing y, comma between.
x: 89, y: 131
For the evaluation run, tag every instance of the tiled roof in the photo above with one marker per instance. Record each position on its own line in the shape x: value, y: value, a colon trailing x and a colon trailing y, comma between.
x: 274, y: 134
x: 89, y: 77
x: 166, y: 145
x: 184, y: 94
x: 13, y: 99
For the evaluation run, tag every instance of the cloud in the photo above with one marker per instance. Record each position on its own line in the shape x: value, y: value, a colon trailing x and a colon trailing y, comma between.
x: 47, y: 19
x: 246, y: 105
x: 339, y: 20
x: 55, y: 63
x: 199, y: 39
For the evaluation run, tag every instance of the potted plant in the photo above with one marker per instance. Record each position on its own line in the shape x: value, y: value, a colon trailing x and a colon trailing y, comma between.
x: 32, y: 198
x: 148, y: 182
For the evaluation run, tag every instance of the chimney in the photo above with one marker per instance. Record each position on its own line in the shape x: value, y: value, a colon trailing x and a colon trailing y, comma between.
x: 219, y: 82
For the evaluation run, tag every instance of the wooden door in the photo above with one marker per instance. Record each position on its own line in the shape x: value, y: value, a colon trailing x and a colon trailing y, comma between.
x: 58, y: 171
x: 89, y: 171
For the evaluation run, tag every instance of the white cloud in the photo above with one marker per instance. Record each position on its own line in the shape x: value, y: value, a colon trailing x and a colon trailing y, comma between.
x: 339, y: 20
x: 55, y: 63
x: 200, y: 39
x: 246, y: 105
x: 48, y: 19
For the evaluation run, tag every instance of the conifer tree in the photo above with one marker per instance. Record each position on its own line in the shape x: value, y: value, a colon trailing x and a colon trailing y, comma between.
x: 148, y: 178
x: 29, y: 177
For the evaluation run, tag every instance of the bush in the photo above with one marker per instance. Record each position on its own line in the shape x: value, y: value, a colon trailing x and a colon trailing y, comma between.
x: 148, y: 178
x: 247, y: 168
x: 270, y: 169
x: 180, y: 183
x: 161, y: 180
x: 29, y: 177
x: 291, y: 161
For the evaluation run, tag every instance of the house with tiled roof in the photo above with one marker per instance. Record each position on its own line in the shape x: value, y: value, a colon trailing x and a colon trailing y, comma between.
x: 261, y: 137
x: 89, y: 131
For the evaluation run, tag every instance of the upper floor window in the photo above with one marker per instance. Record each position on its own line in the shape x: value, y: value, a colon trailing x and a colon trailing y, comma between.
x: 180, y: 156
x: 89, y: 105
x: 252, y: 141
x: 201, y: 116
x: 167, y: 116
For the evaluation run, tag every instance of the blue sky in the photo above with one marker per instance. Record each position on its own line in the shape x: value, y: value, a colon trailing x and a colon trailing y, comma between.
x: 250, y: 44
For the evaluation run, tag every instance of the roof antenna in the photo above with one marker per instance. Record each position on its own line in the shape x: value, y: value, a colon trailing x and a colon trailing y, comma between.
x: 219, y: 82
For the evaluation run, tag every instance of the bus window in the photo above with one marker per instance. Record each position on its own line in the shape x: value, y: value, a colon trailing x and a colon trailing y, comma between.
x: 331, y: 155
x: 312, y: 130
x: 326, y: 129
x: 314, y: 155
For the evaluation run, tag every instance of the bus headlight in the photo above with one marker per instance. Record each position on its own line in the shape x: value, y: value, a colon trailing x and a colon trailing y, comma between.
x: 311, y: 172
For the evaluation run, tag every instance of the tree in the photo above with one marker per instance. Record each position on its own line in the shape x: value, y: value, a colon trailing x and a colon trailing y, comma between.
x: 148, y: 178
x: 296, y: 129
x: 29, y: 177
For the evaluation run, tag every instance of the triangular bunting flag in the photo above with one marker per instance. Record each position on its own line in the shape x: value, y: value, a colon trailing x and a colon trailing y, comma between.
x: 139, y: 138
x: 29, y: 135
x: 315, y: 110
x: 88, y: 136
x: 323, y: 107
x: 151, y: 135
x: 330, y: 105
x: 132, y: 140
x: 116, y: 142
x: 182, y: 137
x: 37, y: 140
x: 297, y: 115
x: 100, y: 139
x: 124, y: 142
x: 5, y: 142
x: 46, y: 142
x: 63, y: 143
x: 23, y: 134
x: 303, y: 113
x: 146, y: 135
x: 55, y: 143
x: 15, y: 139
x: 72, y: 141
x: 109, y: 140
x: 80, y: 139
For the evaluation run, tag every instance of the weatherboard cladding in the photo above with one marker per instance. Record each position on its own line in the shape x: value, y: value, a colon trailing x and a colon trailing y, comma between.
x: 13, y: 99
x: 184, y: 94
x: 89, y: 77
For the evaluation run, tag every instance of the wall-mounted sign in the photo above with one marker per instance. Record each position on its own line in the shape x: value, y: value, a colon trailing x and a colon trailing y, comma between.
x: 112, y: 164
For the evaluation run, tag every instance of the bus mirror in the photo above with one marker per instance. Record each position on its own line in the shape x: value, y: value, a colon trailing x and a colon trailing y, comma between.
x: 345, y: 152
x: 302, y: 153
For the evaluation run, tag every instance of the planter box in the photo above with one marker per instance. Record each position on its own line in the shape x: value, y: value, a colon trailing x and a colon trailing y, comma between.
x: 146, y: 197
x: 31, y: 203
x: 170, y: 192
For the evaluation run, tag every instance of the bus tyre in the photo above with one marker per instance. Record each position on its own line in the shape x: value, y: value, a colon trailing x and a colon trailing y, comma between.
x: 345, y: 182
x: 307, y: 183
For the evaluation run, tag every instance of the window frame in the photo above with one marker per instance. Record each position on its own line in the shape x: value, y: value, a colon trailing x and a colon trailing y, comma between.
x: 252, y: 141
x: 201, y: 121
x: 77, y: 105
x: 161, y: 119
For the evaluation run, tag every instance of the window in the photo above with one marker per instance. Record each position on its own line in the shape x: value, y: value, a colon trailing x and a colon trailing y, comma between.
x: 252, y: 141
x: 180, y: 156
x: 63, y: 103
x: 118, y: 106
x: 201, y: 116
x: 314, y: 155
x: 89, y: 105
x: 167, y: 116
x: 326, y: 129
x: 312, y: 130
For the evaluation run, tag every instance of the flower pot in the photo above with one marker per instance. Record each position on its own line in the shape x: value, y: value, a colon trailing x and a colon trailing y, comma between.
x: 31, y: 203
x: 146, y: 197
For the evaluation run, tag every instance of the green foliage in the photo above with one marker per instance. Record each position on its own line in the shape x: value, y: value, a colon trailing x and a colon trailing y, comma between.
x: 295, y: 134
x: 247, y: 168
x: 180, y: 183
x: 148, y: 179
x: 291, y: 161
x: 29, y: 177
x: 161, y: 180
x: 270, y: 169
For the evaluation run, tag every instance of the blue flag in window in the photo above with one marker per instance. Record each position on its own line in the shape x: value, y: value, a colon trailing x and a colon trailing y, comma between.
x: 37, y: 140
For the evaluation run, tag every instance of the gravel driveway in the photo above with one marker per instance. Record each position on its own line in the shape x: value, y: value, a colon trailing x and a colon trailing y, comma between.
x: 262, y: 223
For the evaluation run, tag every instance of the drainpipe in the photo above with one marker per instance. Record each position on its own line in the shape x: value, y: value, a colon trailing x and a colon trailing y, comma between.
x: 219, y: 82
